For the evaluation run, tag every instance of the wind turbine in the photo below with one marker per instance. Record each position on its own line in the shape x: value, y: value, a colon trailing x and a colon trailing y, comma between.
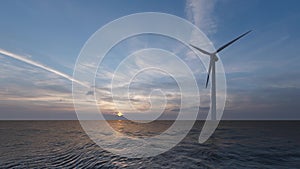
x: 212, y: 69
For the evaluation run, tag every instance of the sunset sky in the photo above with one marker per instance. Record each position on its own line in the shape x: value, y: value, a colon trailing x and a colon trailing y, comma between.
x: 40, y: 42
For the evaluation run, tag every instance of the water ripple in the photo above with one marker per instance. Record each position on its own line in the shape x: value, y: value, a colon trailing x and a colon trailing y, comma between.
x: 63, y: 144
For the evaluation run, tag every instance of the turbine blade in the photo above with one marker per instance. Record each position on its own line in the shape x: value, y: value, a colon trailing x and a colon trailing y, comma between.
x: 201, y: 50
x: 209, y: 70
x: 207, y: 80
x: 231, y: 42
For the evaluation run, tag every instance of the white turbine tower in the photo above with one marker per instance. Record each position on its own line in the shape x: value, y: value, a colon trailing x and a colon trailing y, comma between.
x: 212, y: 69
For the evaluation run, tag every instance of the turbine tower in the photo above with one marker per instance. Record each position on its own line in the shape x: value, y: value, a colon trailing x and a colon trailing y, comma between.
x: 212, y: 69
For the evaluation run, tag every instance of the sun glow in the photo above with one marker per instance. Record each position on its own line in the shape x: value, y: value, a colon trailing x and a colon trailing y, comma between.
x: 119, y: 114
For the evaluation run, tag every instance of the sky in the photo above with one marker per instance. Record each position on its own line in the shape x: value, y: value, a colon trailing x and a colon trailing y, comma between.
x: 41, y: 40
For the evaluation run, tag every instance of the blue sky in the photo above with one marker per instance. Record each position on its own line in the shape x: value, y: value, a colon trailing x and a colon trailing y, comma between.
x: 262, y: 70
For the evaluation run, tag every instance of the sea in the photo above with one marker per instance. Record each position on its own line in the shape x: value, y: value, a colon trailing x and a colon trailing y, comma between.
x: 234, y: 144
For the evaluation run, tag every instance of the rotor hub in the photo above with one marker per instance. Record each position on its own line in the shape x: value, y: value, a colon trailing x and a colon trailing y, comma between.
x: 216, y: 58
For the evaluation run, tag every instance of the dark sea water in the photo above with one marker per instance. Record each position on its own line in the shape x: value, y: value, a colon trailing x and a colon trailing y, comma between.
x: 235, y: 144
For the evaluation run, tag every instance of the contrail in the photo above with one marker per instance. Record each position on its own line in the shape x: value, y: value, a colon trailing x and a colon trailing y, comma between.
x: 25, y: 60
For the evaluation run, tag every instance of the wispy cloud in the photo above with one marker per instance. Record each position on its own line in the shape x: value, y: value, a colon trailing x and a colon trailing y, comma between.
x: 200, y: 12
x: 25, y: 60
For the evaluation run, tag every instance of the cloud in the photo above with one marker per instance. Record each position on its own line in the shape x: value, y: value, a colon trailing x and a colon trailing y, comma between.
x: 263, y: 103
x: 89, y: 93
x: 200, y: 12
x: 27, y: 88
x: 25, y: 60
x: 25, y: 111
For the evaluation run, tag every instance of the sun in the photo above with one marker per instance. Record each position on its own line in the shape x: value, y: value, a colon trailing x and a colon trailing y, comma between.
x: 119, y: 114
